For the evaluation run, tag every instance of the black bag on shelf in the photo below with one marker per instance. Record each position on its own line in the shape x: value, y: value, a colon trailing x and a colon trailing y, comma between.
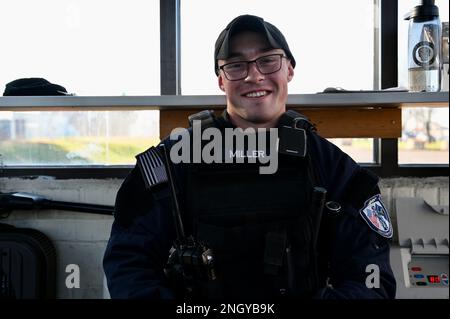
x: 33, y: 87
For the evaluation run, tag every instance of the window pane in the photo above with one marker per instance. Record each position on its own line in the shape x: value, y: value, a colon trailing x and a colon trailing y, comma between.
x: 360, y: 149
x: 321, y: 40
x: 404, y: 6
x: 95, y: 47
x: 76, y: 138
x: 424, y: 136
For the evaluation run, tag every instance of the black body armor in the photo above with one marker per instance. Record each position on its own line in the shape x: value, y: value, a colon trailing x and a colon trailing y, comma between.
x: 262, y: 228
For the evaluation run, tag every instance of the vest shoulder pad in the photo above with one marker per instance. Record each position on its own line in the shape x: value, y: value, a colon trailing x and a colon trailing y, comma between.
x: 206, y: 117
x: 297, y: 120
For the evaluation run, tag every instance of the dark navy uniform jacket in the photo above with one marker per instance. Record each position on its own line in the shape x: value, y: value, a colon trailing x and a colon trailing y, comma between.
x: 143, y: 233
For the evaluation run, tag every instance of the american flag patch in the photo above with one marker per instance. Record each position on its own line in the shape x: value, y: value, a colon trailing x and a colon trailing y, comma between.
x: 152, y: 167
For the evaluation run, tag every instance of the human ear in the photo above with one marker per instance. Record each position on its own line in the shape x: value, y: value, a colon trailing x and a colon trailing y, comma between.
x: 220, y: 82
x: 290, y: 74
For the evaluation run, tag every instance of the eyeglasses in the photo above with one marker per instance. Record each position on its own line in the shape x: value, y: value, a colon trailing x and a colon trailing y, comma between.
x: 267, y: 64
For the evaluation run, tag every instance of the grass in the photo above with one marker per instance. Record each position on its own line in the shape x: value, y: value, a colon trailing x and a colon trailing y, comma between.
x: 75, y: 151
x: 433, y: 146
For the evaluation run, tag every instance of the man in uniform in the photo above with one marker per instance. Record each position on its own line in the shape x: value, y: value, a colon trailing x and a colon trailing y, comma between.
x: 268, y: 234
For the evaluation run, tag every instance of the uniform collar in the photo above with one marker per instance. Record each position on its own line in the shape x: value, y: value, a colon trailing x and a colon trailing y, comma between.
x: 224, y: 120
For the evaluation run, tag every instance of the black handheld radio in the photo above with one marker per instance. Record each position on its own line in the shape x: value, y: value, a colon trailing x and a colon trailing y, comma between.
x: 189, y: 261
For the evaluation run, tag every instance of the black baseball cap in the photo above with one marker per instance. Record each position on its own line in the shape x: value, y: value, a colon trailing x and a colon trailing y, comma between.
x: 33, y: 87
x: 249, y: 23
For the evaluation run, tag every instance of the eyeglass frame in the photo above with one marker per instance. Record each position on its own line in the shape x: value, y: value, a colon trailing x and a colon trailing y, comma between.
x: 281, y: 55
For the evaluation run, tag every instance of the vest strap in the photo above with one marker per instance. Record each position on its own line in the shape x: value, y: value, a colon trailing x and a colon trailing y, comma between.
x: 296, y: 120
x: 274, y: 251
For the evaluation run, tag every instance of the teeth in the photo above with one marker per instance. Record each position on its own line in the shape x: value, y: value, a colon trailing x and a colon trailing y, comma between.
x: 256, y: 94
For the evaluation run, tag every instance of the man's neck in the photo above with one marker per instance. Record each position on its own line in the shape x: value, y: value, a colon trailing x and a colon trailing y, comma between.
x: 244, y: 124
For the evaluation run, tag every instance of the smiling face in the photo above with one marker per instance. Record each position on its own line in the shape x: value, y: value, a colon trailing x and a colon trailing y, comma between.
x: 259, y: 99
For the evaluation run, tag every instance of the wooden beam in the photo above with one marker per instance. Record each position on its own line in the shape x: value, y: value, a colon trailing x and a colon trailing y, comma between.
x: 332, y: 123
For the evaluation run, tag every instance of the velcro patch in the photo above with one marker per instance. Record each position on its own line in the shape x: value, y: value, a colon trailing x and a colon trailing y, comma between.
x: 152, y: 167
x: 376, y: 216
x: 292, y: 141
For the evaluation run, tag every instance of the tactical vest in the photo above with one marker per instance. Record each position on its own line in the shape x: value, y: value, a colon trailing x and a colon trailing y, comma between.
x: 260, y: 227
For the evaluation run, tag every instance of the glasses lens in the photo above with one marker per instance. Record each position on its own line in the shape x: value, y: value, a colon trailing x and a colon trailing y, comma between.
x: 235, y: 71
x: 269, y: 64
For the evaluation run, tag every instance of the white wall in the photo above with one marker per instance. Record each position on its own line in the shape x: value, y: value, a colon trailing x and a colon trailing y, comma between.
x: 81, y: 238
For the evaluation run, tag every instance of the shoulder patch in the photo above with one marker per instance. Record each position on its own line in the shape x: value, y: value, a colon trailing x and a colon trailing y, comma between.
x: 376, y: 216
x: 152, y: 167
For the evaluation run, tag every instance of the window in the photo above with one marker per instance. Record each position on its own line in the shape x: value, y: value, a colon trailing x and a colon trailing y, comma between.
x: 97, y: 48
x: 424, y: 136
x: 75, y: 138
x: 360, y: 149
x: 321, y: 40
x: 89, y: 47
x: 102, y: 48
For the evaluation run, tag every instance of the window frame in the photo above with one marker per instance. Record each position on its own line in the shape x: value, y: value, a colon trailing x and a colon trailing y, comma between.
x: 385, y: 150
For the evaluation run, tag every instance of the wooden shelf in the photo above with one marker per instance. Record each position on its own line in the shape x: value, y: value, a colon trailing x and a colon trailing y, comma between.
x: 334, y: 100
x: 362, y: 114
